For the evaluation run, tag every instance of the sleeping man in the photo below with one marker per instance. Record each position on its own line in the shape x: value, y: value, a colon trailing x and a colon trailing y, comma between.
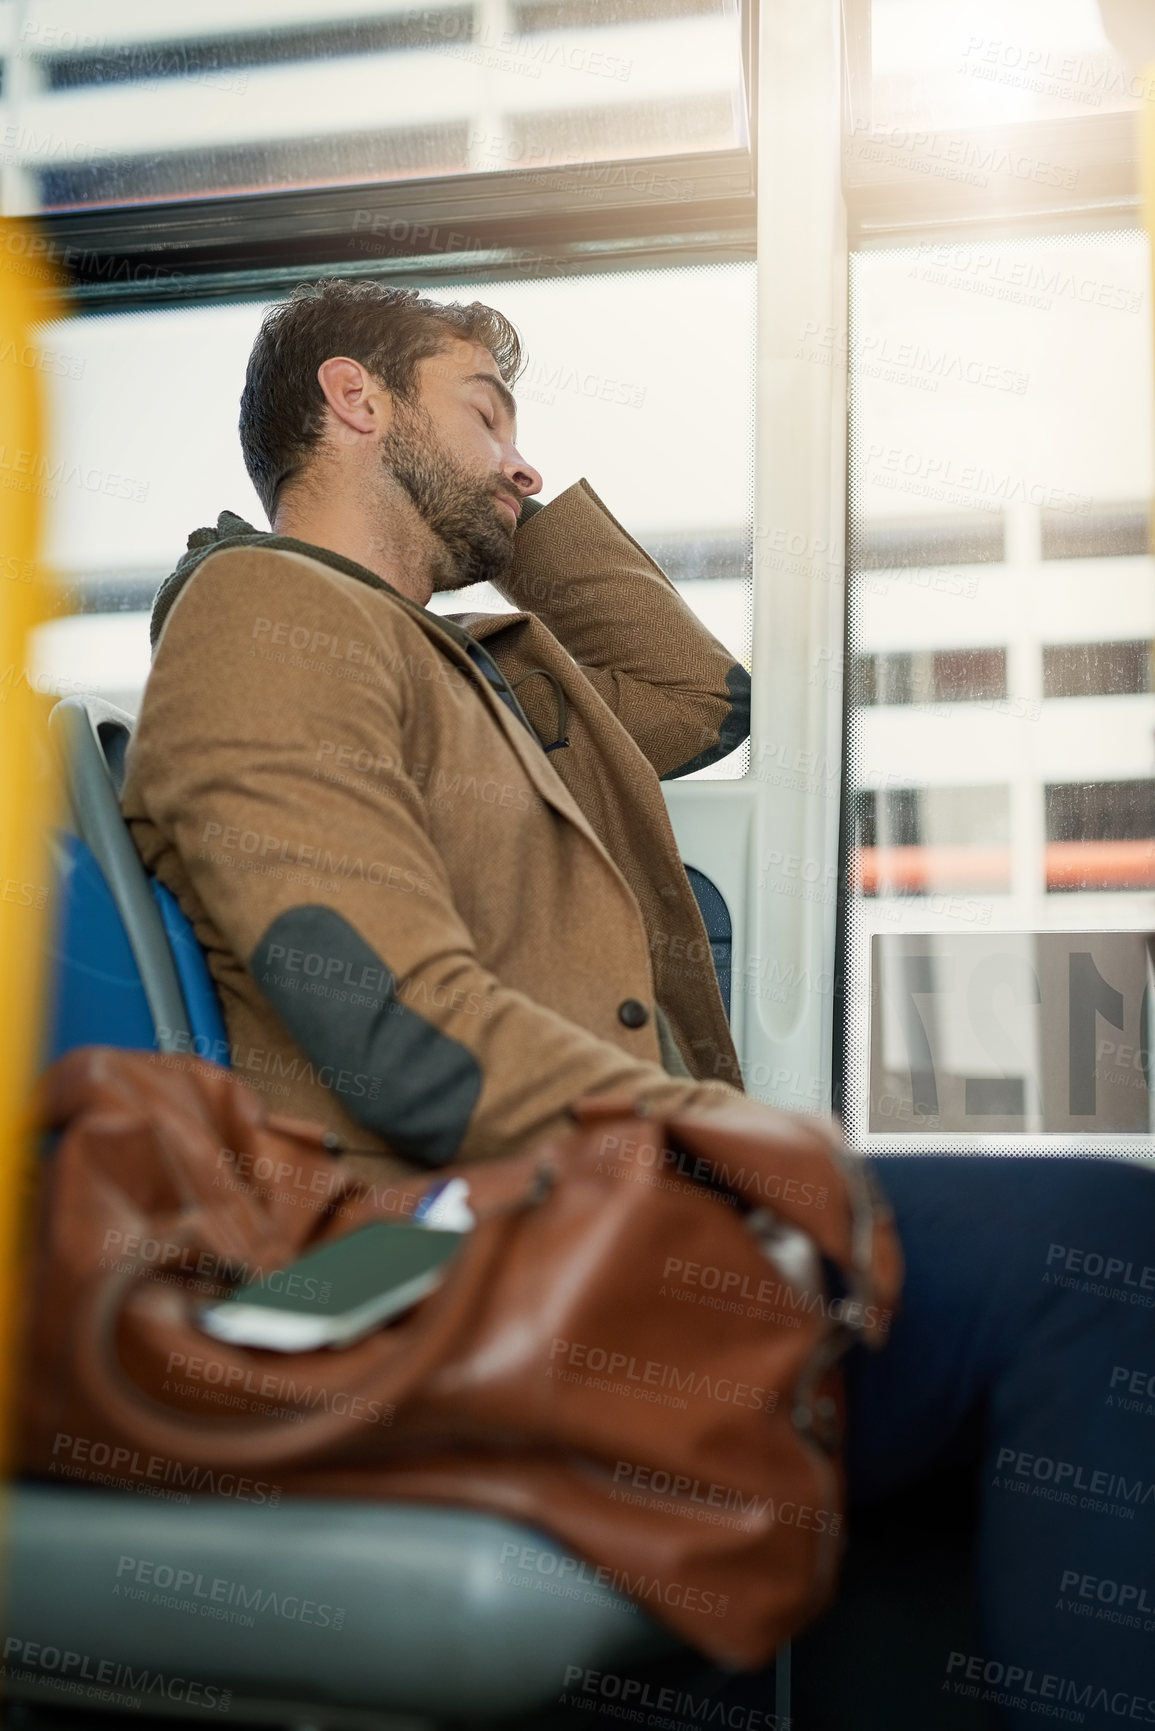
x: 430, y: 864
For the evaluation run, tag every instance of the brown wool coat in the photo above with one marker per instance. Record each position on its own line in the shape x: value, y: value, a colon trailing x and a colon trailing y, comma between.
x: 423, y: 927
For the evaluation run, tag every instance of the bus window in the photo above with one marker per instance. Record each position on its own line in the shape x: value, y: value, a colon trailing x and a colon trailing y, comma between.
x: 1000, y: 783
x: 135, y: 104
x: 598, y: 397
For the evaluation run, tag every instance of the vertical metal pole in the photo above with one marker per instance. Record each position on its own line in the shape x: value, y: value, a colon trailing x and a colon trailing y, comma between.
x: 799, y: 566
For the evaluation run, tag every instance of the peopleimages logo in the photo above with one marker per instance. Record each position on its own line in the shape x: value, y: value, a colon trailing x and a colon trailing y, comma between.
x: 105, y: 1676
x: 221, y: 1599
x: 1020, y: 1686
x: 84, y: 1457
x: 714, y: 1504
x: 248, y: 849
x: 1132, y: 1390
x: 629, y: 1695
x: 1058, y: 1481
x: 1080, y: 78
x: 1125, y: 1594
x: 1074, y: 1260
x: 953, y: 156
x: 169, y: 1253
x: 939, y: 477
x: 531, y: 1561
x: 998, y: 274
x: 251, y: 1388
x: 737, y: 1284
x: 28, y: 471
x: 649, y: 1379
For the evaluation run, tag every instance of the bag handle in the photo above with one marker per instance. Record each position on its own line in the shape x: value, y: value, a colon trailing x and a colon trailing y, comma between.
x: 872, y: 1263
x: 121, y: 1402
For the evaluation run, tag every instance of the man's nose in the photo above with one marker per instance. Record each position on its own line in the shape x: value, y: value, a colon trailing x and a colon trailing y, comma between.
x: 522, y: 474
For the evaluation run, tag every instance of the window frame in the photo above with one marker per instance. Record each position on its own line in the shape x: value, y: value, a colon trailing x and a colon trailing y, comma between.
x: 484, y: 226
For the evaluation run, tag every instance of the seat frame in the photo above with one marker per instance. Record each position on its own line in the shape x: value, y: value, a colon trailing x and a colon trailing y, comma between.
x: 92, y: 736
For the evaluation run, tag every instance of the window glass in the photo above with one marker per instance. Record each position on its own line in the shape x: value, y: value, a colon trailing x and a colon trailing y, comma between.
x: 146, y: 449
x: 986, y: 63
x: 1001, y: 731
x: 930, y: 676
x: 1096, y: 669
x: 126, y: 103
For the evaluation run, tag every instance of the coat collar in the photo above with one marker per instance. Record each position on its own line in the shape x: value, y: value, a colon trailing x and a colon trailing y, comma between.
x: 452, y: 635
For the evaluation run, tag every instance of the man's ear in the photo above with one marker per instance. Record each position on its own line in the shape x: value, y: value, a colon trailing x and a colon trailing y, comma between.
x: 360, y: 406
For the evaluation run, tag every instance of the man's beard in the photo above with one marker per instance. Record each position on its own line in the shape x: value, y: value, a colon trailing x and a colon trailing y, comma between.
x: 476, y: 542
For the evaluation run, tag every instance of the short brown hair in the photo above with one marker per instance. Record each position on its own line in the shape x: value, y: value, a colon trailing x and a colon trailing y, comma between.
x: 387, y: 329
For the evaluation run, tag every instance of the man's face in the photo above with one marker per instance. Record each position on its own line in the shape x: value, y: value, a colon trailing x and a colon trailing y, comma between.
x: 451, y: 448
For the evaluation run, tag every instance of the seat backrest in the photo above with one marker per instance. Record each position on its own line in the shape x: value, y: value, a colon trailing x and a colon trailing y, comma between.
x: 719, y: 928
x: 128, y: 968
x: 96, y: 997
x: 205, y: 1018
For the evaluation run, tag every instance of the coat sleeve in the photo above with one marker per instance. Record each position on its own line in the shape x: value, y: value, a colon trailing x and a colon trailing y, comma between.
x: 677, y: 691
x: 334, y: 896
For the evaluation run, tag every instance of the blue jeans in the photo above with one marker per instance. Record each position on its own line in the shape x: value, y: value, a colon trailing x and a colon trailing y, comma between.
x: 1027, y: 1339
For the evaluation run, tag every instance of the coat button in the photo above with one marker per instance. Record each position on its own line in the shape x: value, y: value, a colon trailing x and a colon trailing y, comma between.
x: 633, y: 1013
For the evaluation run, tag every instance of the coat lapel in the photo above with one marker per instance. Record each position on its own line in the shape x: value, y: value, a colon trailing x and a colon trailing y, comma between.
x: 530, y: 754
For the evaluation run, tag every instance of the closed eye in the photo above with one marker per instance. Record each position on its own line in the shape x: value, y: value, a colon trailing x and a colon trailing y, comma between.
x: 486, y: 419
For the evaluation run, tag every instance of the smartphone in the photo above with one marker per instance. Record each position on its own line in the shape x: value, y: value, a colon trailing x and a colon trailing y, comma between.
x: 337, y: 1294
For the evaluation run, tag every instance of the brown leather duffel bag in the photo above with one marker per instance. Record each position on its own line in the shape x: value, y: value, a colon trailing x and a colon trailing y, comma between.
x: 635, y: 1348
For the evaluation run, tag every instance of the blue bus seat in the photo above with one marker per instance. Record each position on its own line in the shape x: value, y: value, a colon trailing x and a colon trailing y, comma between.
x: 719, y: 928
x: 92, y: 738
x: 97, y: 996
x: 206, y: 1020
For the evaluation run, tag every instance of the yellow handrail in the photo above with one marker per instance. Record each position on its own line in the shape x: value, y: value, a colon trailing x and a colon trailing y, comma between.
x: 1147, y: 194
x: 27, y: 781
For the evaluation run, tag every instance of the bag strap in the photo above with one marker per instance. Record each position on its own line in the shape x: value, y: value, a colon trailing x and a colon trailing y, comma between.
x: 120, y: 1401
